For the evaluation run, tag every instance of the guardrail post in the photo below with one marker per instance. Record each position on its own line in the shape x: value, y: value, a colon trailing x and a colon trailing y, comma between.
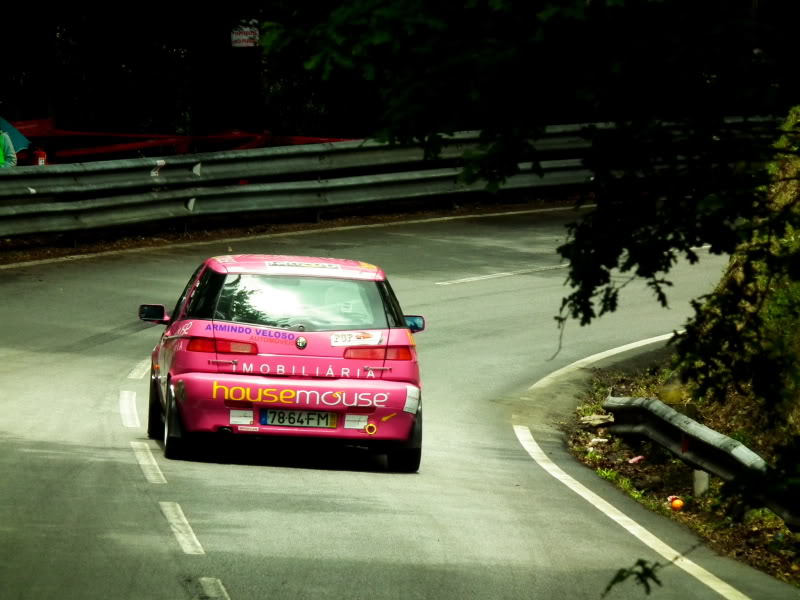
x: 701, y: 483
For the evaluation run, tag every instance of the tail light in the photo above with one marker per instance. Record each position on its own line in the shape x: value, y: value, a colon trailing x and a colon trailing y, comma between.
x: 381, y: 353
x: 221, y: 346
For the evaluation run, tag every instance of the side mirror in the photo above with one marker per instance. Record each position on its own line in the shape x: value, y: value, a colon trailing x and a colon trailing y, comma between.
x: 415, y: 322
x: 153, y: 313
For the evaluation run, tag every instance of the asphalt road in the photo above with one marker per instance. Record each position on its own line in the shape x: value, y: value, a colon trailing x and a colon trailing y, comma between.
x: 83, y: 514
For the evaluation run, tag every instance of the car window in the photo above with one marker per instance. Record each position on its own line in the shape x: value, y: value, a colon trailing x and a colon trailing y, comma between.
x: 179, y: 303
x: 301, y: 303
x: 393, y: 311
x: 201, y: 304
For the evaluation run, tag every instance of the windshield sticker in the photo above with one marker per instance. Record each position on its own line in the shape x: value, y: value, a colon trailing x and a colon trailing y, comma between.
x: 357, y: 338
x: 309, y: 265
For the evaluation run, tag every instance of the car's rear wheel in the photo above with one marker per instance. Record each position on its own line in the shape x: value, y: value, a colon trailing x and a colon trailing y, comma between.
x: 407, y: 458
x: 155, y: 418
x: 175, y: 445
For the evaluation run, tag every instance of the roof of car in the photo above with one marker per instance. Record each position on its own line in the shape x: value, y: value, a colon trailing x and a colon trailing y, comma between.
x: 311, y: 266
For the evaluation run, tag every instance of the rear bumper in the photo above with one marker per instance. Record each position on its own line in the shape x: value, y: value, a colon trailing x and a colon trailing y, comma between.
x: 359, y: 411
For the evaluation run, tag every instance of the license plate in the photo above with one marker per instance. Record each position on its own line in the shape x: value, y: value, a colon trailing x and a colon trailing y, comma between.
x: 298, y: 418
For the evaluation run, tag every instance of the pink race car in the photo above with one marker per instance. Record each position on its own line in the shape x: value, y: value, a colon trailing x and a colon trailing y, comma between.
x: 288, y: 346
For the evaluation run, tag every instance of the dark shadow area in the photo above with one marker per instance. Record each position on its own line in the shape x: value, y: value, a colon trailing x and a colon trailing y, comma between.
x: 284, y: 452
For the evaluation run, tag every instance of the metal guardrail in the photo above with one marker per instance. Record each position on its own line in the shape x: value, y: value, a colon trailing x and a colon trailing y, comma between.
x: 704, y: 449
x: 53, y: 216
x: 282, y: 161
x: 59, y: 198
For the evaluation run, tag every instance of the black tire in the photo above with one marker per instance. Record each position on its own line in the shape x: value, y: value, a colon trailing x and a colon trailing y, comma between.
x: 155, y: 415
x: 175, y: 446
x: 405, y: 460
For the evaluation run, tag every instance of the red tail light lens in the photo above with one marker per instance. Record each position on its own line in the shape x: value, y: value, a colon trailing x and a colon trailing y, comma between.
x: 382, y: 353
x: 366, y: 353
x: 201, y: 345
x: 233, y: 347
x: 221, y: 346
x: 398, y: 353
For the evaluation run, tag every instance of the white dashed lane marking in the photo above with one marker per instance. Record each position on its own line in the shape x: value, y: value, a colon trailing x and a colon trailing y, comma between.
x: 147, y: 462
x: 140, y: 370
x: 213, y: 588
x: 503, y: 274
x: 127, y: 409
x: 180, y: 527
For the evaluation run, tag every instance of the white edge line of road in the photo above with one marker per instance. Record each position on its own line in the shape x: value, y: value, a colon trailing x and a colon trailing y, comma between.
x: 525, y: 438
x: 579, y: 364
x: 213, y: 588
x: 181, y: 528
x: 140, y: 370
x: 147, y: 462
x: 127, y: 409
x: 262, y: 236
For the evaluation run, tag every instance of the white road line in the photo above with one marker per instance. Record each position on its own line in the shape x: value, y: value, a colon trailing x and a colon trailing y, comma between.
x: 723, y: 589
x: 532, y: 448
x: 549, y: 379
x: 127, y: 409
x: 504, y: 274
x: 213, y: 588
x: 46, y: 261
x: 147, y: 462
x: 140, y: 370
x: 181, y: 528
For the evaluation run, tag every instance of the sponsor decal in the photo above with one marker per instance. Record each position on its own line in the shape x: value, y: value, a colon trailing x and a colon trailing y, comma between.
x: 246, y: 428
x: 256, y: 334
x: 367, y: 266
x: 412, y: 400
x: 241, y: 417
x: 225, y: 259
x: 304, y: 397
x: 304, y: 371
x: 355, y: 421
x: 185, y: 329
x: 229, y: 328
x: 270, y: 340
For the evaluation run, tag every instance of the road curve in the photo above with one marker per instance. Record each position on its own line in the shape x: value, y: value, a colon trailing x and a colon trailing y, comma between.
x: 91, y: 509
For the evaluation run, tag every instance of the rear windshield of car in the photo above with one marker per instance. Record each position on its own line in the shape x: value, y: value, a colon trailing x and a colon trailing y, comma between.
x: 302, y: 303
